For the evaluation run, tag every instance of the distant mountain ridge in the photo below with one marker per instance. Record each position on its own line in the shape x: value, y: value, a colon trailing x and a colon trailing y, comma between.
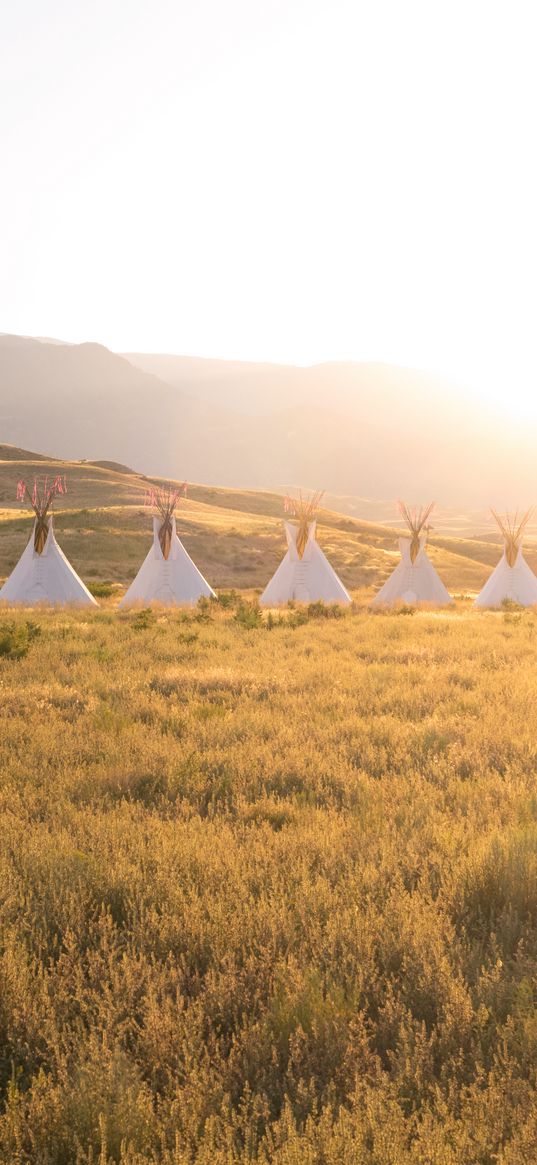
x: 361, y: 430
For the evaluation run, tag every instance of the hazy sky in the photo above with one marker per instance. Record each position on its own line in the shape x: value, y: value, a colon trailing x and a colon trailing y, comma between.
x: 292, y: 180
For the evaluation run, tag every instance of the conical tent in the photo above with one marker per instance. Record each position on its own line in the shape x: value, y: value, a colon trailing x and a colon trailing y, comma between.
x: 414, y: 579
x: 305, y: 574
x: 167, y: 575
x: 512, y: 578
x: 43, y: 574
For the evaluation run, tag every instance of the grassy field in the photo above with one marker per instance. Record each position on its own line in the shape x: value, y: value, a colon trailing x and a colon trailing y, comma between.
x: 268, y: 893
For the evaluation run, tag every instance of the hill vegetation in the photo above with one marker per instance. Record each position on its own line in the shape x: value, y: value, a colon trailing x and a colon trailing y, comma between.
x: 267, y: 892
x: 235, y: 536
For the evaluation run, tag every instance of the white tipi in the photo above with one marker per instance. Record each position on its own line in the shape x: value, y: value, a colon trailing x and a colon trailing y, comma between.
x: 43, y: 574
x: 512, y: 578
x: 167, y: 574
x: 414, y: 579
x: 305, y: 574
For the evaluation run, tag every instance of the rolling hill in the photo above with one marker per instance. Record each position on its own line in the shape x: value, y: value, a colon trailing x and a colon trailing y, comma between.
x: 85, y: 400
x: 361, y: 431
x: 234, y: 535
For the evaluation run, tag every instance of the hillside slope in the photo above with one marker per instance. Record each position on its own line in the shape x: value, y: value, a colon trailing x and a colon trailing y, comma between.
x: 373, y: 429
x: 359, y: 430
x: 235, y: 536
x: 85, y: 400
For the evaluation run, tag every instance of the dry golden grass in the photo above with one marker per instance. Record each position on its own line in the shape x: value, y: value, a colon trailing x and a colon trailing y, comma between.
x: 268, y: 894
x: 235, y: 536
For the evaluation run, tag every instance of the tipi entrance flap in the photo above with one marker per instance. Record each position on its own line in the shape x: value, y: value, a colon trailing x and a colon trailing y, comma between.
x: 512, y: 527
x: 50, y: 542
x: 156, y: 540
x: 291, y: 534
x: 45, y: 578
x: 414, y: 579
x: 304, y: 579
x: 512, y: 578
x: 173, y: 581
x: 405, y: 547
x: 43, y: 574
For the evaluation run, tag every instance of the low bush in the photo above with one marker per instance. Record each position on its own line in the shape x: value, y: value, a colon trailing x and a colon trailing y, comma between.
x: 229, y: 599
x: 144, y: 619
x: 101, y: 590
x: 249, y: 615
x: 17, y: 637
x: 320, y: 610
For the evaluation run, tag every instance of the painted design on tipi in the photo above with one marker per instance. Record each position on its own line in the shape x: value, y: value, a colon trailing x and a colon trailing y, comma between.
x: 512, y: 579
x: 43, y: 574
x: 167, y: 575
x: 305, y: 574
x: 414, y: 579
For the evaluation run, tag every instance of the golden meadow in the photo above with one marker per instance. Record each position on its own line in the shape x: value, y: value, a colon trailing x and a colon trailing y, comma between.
x: 268, y: 885
x: 268, y: 892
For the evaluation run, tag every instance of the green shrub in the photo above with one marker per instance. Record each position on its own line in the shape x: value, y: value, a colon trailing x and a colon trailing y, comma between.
x: 249, y: 615
x: 144, y: 619
x: 229, y: 599
x: 297, y: 616
x: 101, y: 590
x: 16, y: 638
x: 320, y: 610
x: 204, y: 610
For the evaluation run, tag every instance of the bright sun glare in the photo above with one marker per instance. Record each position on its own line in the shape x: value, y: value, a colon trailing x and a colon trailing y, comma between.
x: 299, y: 180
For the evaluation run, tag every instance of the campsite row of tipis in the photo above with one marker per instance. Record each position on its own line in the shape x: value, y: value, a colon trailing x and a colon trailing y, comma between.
x: 168, y: 575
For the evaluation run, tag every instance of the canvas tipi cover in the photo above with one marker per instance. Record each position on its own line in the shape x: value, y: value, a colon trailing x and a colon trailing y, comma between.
x: 306, y: 577
x: 414, y: 579
x: 174, y: 580
x: 512, y: 578
x: 45, y: 577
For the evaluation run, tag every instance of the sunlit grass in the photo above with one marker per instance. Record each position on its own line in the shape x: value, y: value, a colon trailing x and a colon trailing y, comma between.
x: 268, y: 893
x: 235, y: 536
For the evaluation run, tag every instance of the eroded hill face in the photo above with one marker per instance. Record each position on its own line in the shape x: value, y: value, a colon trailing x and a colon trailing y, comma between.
x: 235, y: 536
